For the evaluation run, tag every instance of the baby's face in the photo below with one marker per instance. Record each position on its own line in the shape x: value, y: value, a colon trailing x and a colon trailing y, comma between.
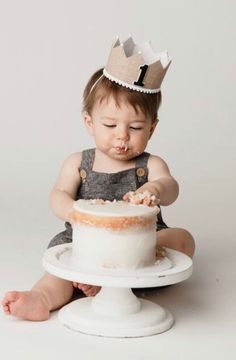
x: 119, y: 132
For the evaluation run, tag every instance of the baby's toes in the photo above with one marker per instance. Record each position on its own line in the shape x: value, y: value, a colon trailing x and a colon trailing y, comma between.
x: 94, y: 290
x: 10, y: 296
x: 88, y: 290
x: 6, y: 309
x: 84, y: 287
x: 75, y: 284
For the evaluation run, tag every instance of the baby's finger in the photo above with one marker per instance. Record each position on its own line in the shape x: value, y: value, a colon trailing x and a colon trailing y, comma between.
x: 128, y: 196
x: 147, y: 201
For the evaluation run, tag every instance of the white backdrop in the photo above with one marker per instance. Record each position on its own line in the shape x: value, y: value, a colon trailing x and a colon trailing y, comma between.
x: 49, y: 49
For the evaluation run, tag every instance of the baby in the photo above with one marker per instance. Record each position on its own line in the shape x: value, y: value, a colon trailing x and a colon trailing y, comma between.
x: 121, y: 120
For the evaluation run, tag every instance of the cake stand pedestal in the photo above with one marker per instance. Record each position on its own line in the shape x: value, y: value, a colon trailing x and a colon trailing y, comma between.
x: 115, y: 311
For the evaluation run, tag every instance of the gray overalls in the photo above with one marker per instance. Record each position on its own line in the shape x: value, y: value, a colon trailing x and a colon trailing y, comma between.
x: 98, y: 185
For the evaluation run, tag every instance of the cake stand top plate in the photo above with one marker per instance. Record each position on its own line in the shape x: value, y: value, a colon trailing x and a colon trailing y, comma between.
x: 175, y: 268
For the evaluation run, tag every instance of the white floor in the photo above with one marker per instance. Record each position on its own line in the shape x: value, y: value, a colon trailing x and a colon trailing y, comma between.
x: 203, y: 306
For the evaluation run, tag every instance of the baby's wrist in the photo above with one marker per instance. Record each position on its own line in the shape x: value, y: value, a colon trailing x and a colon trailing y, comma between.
x: 156, y: 188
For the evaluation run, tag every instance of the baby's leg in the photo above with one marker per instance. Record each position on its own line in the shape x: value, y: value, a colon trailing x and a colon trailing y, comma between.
x: 48, y: 294
x: 177, y: 239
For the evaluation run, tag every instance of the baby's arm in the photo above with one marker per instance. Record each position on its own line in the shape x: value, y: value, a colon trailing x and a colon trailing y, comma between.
x: 64, y: 191
x: 161, y: 187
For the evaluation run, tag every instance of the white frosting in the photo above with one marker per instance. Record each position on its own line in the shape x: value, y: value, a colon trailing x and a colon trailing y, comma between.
x: 128, y: 248
x: 116, y: 208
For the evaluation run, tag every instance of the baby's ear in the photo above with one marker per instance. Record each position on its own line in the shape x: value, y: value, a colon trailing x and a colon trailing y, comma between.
x: 153, y: 126
x: 88, y: 122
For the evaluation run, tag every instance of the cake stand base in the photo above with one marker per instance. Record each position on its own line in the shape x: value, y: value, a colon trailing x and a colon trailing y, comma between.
x: 116, y: 312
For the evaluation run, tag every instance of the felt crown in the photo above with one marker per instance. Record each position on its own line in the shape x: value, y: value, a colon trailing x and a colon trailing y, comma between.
x: 136, y: 66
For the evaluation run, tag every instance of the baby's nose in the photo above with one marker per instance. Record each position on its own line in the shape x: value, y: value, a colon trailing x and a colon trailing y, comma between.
x: 123, y: 134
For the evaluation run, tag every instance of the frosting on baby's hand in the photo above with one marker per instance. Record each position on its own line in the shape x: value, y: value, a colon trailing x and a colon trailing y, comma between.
x: 142, y: 197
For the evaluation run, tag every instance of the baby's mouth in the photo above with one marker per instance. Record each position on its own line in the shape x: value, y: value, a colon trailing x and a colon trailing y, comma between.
x: 121, y: 149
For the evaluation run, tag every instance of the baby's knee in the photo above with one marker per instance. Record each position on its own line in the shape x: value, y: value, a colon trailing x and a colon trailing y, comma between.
x: 186, y: 242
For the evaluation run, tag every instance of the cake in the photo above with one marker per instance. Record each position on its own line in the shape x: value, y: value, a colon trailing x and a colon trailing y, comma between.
x: 113, y: 235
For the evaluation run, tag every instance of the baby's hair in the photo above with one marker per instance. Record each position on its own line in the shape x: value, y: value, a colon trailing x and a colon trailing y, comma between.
x: 148, y: 103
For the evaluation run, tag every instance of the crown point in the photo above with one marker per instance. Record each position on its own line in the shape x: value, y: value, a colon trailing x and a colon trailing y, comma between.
x: 116, y: 42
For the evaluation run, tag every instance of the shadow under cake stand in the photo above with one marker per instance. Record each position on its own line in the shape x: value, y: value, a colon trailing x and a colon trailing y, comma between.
x: 115, y: 311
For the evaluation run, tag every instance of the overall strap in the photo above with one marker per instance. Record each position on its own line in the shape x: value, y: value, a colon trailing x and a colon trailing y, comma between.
x: 87, y: 159
x: 87, y: 162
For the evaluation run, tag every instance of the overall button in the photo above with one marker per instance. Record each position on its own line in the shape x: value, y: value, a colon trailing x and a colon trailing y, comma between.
x: 140, y: 171
x: 83, y: 174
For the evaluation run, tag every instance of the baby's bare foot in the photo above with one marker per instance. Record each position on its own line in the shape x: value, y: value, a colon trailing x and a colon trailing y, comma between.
x: 88, y: 290
x: 28, y: 305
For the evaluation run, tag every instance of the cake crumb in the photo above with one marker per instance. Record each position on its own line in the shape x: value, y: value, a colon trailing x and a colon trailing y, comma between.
x: 160, y: 252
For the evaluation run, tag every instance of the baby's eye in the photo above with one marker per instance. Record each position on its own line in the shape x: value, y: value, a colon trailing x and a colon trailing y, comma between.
x: 110, y: 126
x: 136, y: 128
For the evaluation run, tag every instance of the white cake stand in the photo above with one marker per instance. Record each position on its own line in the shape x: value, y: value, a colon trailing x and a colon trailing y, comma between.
x: 115, y: 311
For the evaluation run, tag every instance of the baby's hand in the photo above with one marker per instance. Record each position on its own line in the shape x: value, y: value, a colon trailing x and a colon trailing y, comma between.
x: 144, y: 197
